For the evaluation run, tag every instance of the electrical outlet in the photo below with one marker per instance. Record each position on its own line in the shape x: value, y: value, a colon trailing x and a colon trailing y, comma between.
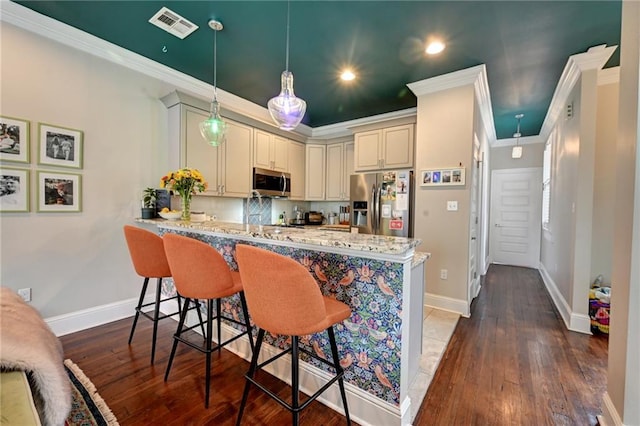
x: 452, y: 206
x: 444, y: 274
x: 25, y: 293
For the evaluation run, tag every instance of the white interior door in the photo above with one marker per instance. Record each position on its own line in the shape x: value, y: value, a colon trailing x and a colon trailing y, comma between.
x: 516, y: 217
x: 473, y: 278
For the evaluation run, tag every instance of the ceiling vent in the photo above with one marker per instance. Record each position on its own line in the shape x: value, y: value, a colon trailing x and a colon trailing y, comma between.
x: 173, y: 23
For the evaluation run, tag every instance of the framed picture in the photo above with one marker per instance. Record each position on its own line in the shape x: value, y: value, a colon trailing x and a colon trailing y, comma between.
x: 59, y: 192
x: 59, y: 146
x: 14, y: 139
x: 14, y: 190
x: 453, y: 176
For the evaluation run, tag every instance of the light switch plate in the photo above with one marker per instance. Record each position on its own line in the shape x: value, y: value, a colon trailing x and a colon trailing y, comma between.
x: 452, y: 206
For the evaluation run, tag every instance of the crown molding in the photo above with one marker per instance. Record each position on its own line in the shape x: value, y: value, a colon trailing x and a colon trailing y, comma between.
x: 22, y: 17
x: 346, y: 127
x: 609, y: 76
x: 593, y: 59
x: 475, y: 75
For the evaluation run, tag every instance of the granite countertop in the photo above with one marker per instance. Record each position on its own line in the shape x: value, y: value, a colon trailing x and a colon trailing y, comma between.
x: 319, y: 237
x: 420, y: 257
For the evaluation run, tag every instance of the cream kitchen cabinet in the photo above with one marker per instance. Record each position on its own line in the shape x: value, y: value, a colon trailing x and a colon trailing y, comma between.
x: 340, y: 158
x: 315, y: 169
x: 387, y: 148
x: 270, y: 151
x: 227, y: 168
x: 297, y: 170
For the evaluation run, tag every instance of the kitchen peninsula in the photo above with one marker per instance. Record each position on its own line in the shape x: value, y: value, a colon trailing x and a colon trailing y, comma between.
x: 381, y: 278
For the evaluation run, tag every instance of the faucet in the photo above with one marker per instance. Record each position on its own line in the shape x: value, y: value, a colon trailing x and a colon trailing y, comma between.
x: 254, y: 193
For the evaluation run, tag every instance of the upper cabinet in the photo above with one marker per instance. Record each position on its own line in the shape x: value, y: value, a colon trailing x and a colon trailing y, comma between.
x: 387, y: 148
x: 315, y: 172
x: 297, y: 170
x: 226, y: 168
x: 340, y: 159
x: 270, y: 151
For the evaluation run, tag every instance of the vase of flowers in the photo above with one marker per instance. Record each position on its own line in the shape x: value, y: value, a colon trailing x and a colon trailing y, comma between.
x: 186, y: 182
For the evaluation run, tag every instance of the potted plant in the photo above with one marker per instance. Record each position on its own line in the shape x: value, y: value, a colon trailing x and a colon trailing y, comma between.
x: 149, y: 203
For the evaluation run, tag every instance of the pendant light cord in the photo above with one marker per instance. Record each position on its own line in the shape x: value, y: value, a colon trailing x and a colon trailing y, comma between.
x: 215, y: 53
x: 286, y: 67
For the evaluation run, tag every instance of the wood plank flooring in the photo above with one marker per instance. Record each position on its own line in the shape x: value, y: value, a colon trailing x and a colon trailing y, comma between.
x: 515, y: 363
x: 512, y: 363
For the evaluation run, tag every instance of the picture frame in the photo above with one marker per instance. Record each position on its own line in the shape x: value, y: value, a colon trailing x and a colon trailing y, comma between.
x: 59, y: 146
x: 450, y: 176
x: 14, y: 190
x: 14, y: 139
x: 59, y: 192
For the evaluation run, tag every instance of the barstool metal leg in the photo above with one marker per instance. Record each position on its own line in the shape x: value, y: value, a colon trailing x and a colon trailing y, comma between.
x: 143, y: 292
x: 183, y: 316
x: 156, y: 314
x: 295, y: 393
x: 247, y: 321
x: 250, y: 374
x: 219, y: 323
x: 339, y: 371
x: 208, y: 350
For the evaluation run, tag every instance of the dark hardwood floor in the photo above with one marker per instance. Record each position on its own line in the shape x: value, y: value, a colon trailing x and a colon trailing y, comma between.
x: 512, y: 363
x: 515, y: 363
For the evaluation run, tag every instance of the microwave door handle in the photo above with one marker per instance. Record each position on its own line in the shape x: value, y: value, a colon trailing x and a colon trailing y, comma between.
x: 284, y: 183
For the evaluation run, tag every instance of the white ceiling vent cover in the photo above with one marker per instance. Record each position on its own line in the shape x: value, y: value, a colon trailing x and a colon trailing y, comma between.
x: 173, y: 23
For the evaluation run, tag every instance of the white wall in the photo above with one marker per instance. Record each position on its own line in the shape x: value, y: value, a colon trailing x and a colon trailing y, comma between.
x: 74, y: 261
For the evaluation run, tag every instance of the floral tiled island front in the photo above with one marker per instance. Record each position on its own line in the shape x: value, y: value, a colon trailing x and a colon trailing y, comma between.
x: 380, y: 278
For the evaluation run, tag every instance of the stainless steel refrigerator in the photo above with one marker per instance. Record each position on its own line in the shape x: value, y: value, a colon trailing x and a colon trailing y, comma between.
x: 382, y: 203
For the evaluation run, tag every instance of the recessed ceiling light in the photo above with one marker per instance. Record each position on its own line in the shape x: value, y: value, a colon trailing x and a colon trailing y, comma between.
x: 347, y: 75
x: 434, y: 47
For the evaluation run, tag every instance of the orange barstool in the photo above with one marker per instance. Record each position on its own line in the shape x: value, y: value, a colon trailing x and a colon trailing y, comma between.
x: 200, y: 272
x: 149, y: 261
x: 284, y: 299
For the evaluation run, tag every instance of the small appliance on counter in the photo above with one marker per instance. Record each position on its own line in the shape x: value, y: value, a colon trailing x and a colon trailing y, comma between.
x: 313, y: 218
x: 298, y: 218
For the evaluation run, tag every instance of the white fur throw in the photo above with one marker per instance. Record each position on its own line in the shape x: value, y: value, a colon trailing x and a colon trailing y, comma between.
x: 27, y: 343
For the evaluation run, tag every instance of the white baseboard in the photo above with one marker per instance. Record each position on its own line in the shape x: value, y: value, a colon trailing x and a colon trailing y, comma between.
x: 610, y: 416
x: 93, y: 317
x: 447, y: 304
x: 575, y: 322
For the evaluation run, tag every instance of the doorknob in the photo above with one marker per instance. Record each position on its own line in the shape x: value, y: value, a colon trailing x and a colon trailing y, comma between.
x: 473, y: 238
x: 497, y: 225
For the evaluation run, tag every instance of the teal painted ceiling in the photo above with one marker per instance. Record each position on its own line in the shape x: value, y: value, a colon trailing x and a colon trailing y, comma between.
x: 525, y: 46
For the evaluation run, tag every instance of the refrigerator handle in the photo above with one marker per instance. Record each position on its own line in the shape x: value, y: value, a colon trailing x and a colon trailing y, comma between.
x: 374, y: 221
x: 379, y: 210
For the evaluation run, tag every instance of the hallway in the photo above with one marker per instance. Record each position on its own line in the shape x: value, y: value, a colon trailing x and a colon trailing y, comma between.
x: 513, y: 362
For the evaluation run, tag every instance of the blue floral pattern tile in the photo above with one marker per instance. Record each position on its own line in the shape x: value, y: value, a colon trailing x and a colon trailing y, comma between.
x: 369, y: 342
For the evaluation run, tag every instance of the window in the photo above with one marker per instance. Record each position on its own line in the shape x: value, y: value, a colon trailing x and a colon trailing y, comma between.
x: 546, y: 180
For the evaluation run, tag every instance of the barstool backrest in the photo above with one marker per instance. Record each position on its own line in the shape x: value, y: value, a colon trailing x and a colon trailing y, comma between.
x: 198, y: 270
x: 147, y: 252
x: 282, y: 296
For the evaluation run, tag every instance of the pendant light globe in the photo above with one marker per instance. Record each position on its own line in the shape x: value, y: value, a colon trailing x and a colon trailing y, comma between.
x: 286, y: 109
x: 214, y: 129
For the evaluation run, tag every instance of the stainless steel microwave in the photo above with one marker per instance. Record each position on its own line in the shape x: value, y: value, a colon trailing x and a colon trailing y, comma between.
x: 271, y: 183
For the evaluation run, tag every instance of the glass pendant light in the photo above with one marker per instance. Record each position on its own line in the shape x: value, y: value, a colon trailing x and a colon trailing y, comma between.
x: 286, y: 109
x: 516, y: 152
x: 213, y: 129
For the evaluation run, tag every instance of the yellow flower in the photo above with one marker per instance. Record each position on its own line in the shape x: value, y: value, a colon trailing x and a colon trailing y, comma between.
x: 185, y: 182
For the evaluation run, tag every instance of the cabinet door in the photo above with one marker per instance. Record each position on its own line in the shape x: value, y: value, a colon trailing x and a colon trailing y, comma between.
x: 348, y: 168
x: 335, y: 172
x: 367, y: 150
x: 280, y: 154
x: 315, y: 172
x: 236, y: 170
x: 297, y: 170
x: 199, y: 154
x: 398, y: 144
x: 262, y: 149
